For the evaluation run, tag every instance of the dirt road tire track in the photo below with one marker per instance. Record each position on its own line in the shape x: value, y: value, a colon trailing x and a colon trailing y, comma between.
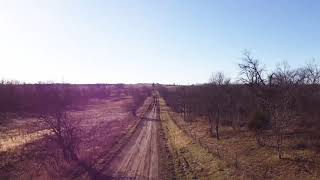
x: 139, y: 158
x: 104, y: 159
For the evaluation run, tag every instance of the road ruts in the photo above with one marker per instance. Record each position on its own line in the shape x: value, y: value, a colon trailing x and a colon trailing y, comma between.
x: 139, y: 159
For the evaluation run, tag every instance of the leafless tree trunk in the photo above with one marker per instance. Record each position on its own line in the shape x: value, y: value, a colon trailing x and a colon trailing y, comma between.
x: 64, y: 133
x: 216, y: 100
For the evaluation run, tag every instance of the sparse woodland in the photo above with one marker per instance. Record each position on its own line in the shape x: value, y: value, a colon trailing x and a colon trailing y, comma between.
x: 279, y: 107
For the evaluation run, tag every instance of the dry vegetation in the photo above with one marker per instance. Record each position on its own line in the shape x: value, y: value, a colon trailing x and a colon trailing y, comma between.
x: 236, y: 155
x: 190, y: 159
x: 65, y: 131
x: 264, y: 126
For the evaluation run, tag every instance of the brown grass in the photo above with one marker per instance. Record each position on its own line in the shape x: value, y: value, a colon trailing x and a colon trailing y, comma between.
x: 240, y: 153
x: 190, y: 159
x: 102, y: 123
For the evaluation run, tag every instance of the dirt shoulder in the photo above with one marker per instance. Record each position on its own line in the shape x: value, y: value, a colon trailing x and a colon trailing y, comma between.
x: 190, y: 160
x: 166, y: 171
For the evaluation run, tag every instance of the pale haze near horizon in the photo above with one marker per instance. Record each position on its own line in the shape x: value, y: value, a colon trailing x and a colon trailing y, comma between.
x: 180, y: 42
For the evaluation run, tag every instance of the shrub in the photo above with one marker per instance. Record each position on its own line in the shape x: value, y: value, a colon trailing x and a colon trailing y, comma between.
x: 259, y: 121
x: 300, y: 146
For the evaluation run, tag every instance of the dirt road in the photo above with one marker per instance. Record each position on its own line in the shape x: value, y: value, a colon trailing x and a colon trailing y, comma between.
x: 139, y: 159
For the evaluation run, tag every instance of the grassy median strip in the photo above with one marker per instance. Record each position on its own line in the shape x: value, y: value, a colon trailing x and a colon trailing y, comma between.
x: 191, y: 161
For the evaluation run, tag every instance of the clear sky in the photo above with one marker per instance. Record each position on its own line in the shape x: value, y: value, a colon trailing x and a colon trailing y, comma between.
x: 165, y: 41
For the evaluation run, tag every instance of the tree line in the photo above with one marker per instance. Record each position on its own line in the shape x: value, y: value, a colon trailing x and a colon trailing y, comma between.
x: 22, y: 98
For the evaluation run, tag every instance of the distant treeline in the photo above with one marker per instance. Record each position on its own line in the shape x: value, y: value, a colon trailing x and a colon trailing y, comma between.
x: 20, y: 98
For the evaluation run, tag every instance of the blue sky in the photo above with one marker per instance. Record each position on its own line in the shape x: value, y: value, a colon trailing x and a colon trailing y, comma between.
x: 165, y: 41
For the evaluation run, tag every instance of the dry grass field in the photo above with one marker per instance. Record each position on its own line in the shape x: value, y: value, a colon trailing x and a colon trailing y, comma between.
x: 27, y: 150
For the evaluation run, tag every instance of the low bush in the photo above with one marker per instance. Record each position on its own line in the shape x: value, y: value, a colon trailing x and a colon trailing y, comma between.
x: 259, y: 121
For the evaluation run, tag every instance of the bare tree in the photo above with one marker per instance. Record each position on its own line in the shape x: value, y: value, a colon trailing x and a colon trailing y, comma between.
x: 64, y: 133
x: 310, y: 73
x: 216, y: 101
x: 282, y: 101
x: 219, y: 79
x: 251, y: 70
